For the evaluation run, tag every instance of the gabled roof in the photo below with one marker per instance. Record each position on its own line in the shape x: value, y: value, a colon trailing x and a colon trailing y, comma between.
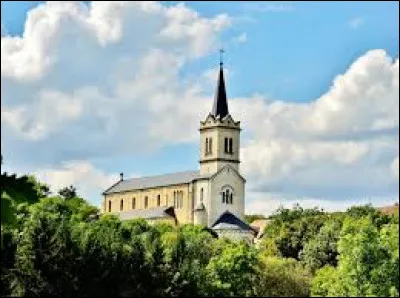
x: 220, y: 106
x: 155, y: 181
x: 151, y: 213
x: 224, y: 167
x: 229, y: 221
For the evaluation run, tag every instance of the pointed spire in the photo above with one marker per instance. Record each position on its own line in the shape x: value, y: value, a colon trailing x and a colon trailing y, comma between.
x: 220, y: 106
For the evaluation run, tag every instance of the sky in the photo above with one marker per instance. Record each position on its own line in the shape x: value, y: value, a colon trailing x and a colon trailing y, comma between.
x: 92, y: 89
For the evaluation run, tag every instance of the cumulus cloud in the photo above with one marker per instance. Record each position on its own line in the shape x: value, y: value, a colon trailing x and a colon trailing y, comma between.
x: 88, y: 180
x: 83, y: 75
x: 336, y: 146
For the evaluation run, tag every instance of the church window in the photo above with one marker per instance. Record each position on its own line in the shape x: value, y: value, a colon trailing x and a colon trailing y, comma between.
x: 226, y: 145
x: 181, y: 200
x: 227, y: 195
x: 206, y: 146
x: 109, y: 206
x: 230, y: 146
x: 201, y: 194
x: 210, y: 144
x: 121, y: 205
x: 146, y: 202
x: 158, y: 200
x: 133, y: 203
x: 174, y: 199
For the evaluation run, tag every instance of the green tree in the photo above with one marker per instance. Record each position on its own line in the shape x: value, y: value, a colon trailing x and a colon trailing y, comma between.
x: 322, y: 249
x: 233, y: 271
x: 368, y: 262
x: 278, y: 277
x: 68, y: 192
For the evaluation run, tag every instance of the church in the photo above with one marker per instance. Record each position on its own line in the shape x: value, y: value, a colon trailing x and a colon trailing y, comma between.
x: 212, y: 196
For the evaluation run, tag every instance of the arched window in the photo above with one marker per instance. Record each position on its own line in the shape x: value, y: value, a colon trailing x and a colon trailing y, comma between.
x: 201, y: 194
x: 158, y: 200
x: 227, y: 194
x: 226, y: 145
x: 121, y: 205
x: 146, y: 202
x: 230, y: 146
x: 109, y: 206
x: 133, y: 203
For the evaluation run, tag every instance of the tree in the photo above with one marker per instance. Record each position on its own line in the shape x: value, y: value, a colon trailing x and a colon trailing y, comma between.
x: 368, y: 262
x: 322, y: 249
x: 233, y: 272
x: 68, y: 192
x: 17, y: 190
x: 279, y: 277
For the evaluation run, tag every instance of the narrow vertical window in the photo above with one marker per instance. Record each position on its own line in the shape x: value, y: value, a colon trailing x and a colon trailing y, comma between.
x: 206, y: 146
x: 175, y: 206
x: 226, y: 145
x: 133, y: 203
x: 181, y: 203
x: 223, y: 197
x: 210, y: 144
x: 201, y: 194
x: 121, y: 205
x: 231, y: 199
x: 109, y: 206
x: 158, y: 200
x: 146, y: 202
x: 230, y: 146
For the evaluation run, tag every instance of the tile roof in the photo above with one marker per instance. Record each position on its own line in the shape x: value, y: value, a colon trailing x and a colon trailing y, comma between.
x: 228, y: 221
x: 151, y: 213
x: 154, y: 181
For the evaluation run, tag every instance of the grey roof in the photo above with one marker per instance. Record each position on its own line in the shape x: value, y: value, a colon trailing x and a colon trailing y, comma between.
x: 156, y: 212
x: 229, y: 221
x: 154, y: 181
x: 220, y: 106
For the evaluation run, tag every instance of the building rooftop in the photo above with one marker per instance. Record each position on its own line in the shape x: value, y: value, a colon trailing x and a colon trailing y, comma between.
x: 150, y: 213
x: 228, y: 221
x: 154, y: 181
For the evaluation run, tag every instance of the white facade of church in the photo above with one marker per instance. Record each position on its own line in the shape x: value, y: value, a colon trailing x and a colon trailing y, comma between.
x: 214, y: 196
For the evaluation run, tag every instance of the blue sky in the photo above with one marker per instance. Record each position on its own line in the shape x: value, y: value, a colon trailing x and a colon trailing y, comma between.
x: 289, y: 52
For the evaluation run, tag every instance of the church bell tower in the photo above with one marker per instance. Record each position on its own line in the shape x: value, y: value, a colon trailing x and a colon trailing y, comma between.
x: 219, y: 134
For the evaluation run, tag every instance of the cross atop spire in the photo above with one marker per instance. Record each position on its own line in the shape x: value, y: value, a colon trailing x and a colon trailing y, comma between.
x: 220, y: 106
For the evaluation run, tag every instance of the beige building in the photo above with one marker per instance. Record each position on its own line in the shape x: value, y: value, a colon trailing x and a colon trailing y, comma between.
x: 212, y: 196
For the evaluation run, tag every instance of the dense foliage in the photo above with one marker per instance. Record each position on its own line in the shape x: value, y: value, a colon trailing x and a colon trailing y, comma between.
x: 61, y: 246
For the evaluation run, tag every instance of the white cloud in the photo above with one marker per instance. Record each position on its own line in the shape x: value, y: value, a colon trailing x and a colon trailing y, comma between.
x: 88, y: 180
x: 356, y: 22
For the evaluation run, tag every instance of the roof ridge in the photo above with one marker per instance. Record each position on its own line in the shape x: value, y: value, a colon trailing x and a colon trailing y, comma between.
x: 166, y: 174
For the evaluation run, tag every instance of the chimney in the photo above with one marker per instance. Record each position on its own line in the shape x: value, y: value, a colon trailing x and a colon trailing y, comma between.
x: 121, y: 175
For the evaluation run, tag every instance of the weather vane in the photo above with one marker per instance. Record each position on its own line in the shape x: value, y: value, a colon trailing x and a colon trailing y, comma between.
x: 221, y: 51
